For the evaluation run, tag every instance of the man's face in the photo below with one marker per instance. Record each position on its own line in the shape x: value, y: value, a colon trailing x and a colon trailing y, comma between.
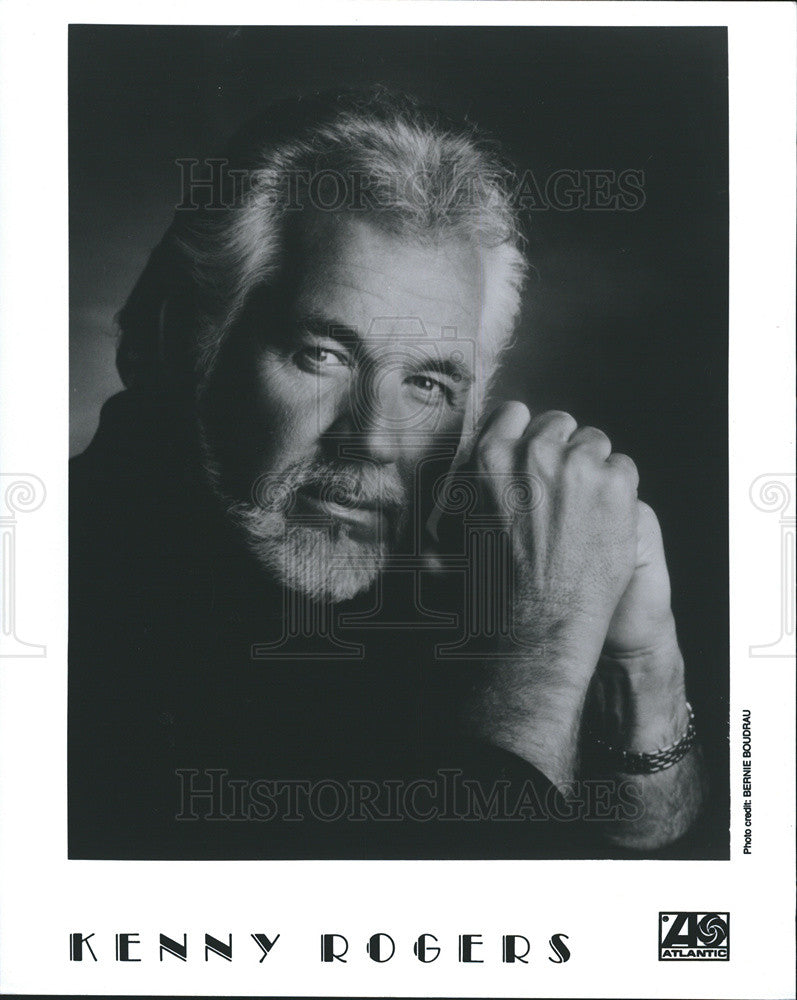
x: 328, y: 406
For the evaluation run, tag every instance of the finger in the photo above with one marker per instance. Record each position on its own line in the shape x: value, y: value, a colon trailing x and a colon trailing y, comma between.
x: 507, y: 421
x: 625, y: 466
x: 593, y: 439
x: 650, y: 545
x: 497, y: 442
x: 555, y: 425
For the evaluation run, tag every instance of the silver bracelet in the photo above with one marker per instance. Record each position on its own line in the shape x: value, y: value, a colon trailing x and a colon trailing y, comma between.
x: 630, y: 762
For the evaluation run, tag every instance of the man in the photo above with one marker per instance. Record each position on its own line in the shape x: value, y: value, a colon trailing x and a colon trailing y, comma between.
x: 315, y: 575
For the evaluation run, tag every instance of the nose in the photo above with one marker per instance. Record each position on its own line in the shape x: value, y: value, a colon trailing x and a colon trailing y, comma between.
x: 371, y: 421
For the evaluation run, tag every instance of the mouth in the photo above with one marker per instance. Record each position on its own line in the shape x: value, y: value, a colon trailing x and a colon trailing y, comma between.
x: 365, y: 521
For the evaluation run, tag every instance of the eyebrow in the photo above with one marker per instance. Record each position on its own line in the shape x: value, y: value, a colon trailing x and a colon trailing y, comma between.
x: 446, y: 366
x: 349, y: 337
x: 321, y: 326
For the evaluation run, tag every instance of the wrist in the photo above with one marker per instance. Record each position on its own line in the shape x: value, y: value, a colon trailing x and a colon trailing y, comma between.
x: 644, y: 703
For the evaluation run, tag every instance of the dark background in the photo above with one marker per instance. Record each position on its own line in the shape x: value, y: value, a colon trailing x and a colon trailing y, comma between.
x: 626, y: 318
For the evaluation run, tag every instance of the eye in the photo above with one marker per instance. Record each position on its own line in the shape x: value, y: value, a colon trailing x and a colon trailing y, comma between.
x: 315, y: 358
x: 429, y: 389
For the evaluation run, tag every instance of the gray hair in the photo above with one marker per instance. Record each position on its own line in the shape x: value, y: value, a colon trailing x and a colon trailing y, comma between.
x: 416, y: 172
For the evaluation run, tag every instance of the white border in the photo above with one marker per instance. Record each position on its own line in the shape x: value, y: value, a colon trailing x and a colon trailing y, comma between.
x: 605, y: 907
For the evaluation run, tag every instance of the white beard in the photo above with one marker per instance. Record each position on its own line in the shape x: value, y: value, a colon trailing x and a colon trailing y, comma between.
x: 323, y: 563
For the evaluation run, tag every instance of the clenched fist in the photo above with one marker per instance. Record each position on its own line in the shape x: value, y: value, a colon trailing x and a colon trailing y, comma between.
x: 575, y: 547
x: 589, y: 579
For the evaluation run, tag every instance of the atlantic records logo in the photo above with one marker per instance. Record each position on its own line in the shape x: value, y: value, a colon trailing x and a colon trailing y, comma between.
x: 694, y: 937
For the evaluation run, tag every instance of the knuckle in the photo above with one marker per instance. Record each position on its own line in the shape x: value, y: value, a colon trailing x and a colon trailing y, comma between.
x: 563, y: 418
x: 515, y: 408
x: 625, y: 466
x: 619, y: 489
x: 580, y: 464
x: 579, y: 451
x: 590, y: 438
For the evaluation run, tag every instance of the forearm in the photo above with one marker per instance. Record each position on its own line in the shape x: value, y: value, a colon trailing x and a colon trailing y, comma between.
x: 590, y: 575
x: 538, y: 721
x: 530, y: 698
x: 524, y: 705
x: 667, y: 804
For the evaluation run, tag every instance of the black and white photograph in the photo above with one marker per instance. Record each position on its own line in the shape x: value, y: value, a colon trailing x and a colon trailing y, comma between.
x: 401, y: 532
x: 397, y: 500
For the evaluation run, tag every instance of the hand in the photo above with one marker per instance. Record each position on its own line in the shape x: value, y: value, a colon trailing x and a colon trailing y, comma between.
x: 575, y: 545
x: 574, y: 549
x: 591, y: 575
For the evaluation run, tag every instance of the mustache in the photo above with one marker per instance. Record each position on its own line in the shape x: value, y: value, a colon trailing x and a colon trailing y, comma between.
x: 348, y: 485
